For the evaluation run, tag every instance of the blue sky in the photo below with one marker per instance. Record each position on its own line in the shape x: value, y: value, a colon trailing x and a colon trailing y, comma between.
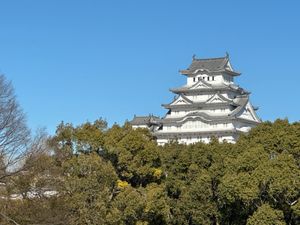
x: 80, y: 60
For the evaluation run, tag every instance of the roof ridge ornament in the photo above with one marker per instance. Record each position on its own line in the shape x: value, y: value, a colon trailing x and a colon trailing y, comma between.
x: 227, y: 55
x: 194, y: 57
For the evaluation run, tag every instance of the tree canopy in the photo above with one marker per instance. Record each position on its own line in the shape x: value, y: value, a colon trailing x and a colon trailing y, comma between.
x: 119, y: 175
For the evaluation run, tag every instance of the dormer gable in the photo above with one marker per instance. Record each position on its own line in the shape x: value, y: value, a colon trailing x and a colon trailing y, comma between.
x: 218, y: 98
x: 181, y: 100
x: 201, y: 84
x: 249, y: 113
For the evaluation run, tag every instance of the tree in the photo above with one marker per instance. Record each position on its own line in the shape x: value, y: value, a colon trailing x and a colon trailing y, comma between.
x: 157, y: 210
x: 14, y: 134
x: 134, y: 154
x: 129, y: 205
x: 88, y: 188
x: 119, y: 176
x: 265, y: 215
x: 197, y: 201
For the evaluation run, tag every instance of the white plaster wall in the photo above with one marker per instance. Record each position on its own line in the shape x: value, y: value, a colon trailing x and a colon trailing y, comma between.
x: 196, y: 138
x: 200, y: 98
x: 219, y: 78
x: 196, y: 126
x: 214, y: 112
x: 244, y: 127
x: 205, y: 97
x: 139, y: 126
x: 219, y: 112
x: 190, y: 81
x: 162, y: 141
x: 177, y: 114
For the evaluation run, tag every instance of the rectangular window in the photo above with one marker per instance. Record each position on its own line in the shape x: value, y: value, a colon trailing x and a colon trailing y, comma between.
x: 213, y: 78
x: 207, y: 78
x: 194, y: 79
x: 199, y: 78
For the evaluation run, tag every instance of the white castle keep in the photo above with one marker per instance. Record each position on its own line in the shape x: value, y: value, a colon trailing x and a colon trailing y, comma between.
x: 209, y: 105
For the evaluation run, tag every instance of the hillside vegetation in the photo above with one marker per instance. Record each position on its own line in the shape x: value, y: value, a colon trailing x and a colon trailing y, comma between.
x: 119, y: 176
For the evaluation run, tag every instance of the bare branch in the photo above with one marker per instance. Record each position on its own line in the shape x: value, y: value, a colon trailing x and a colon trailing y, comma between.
x: 14, y: 133
x: 8, y: 219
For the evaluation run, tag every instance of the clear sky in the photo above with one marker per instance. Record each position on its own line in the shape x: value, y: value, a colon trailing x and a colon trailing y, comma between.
x: 78, y: 60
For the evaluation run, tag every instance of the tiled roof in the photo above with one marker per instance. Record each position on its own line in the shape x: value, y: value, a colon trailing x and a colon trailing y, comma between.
x: 144, y: 120
x: 219, y: 87
x: 210, y: 65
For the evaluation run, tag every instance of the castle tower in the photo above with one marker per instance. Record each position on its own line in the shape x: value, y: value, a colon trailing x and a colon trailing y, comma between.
x: 209, y: 105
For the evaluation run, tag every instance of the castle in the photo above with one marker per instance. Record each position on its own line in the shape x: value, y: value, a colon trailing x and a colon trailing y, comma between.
x: 209, y: 105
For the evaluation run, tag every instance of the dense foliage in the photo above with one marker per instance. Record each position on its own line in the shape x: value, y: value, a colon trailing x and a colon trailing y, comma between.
x: 120, y: 176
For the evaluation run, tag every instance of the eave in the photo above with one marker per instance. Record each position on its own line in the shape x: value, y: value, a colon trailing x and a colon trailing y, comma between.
x: 216, y: 72
x: 188, y: 133
x: 202, y: 105
x: 232, y: 73
x: 203, y: 90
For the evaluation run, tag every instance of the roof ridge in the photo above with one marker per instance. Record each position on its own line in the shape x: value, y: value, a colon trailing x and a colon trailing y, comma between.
x: 207, y: 59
